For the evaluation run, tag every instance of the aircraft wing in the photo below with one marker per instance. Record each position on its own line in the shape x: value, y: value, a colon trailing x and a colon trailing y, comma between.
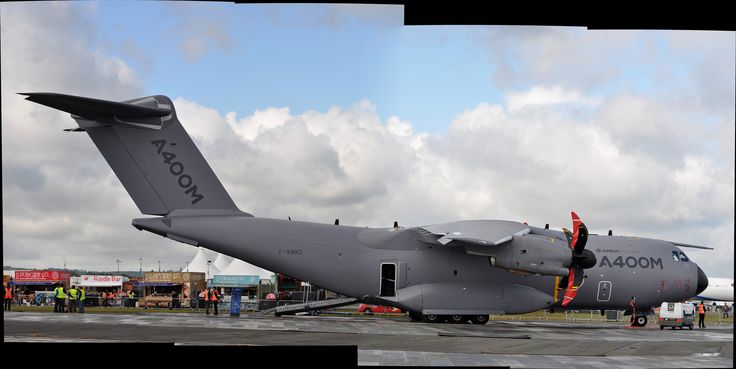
x: 476, y: 233
x: 692, y: 246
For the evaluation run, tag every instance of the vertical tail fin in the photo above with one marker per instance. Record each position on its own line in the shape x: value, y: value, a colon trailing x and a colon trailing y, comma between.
x: 148, y: 149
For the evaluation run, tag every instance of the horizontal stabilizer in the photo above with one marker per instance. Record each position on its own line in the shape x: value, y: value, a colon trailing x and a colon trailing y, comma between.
x: 95, y: 109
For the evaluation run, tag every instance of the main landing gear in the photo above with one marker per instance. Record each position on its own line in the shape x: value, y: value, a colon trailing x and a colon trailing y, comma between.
x: 454, y: 319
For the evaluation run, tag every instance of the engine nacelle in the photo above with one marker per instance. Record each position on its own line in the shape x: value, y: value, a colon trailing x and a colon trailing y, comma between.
x: 532, y: 254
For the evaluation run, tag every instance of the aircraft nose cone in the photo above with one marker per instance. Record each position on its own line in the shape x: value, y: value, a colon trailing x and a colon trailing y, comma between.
x: 702, y: 281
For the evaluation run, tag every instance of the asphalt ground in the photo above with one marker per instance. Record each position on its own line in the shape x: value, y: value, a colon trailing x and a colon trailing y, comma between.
x: 396, y: 342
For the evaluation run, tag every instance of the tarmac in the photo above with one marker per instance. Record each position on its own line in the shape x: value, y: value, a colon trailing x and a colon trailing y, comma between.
x: 400, y: 342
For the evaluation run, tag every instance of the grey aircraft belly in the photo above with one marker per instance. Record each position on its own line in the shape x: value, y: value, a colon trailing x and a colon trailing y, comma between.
x: 460, y: 271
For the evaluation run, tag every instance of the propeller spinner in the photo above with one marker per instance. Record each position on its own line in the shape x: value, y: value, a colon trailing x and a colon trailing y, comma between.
x: 581, y: 259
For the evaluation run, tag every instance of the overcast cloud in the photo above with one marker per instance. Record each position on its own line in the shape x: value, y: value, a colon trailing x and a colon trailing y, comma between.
x: 639, y: 163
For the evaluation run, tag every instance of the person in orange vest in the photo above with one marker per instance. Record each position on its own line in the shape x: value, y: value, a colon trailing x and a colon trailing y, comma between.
x: 207, y: 301
x: 214, y: 298
x: 8, y: 297
x: 103, y: 301
x: 701, y: 315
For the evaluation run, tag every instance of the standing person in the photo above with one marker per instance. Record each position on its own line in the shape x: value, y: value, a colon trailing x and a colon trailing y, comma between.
x: 73, y: 296
x: 58, y: 298
x: 81, y: 300
x: 8, y: 297
x: 215, y: 298
x: 64, y: 297
x: 207, y: 301
x: 632, y: 304
x: 103, y: 301
x: 701, y: 315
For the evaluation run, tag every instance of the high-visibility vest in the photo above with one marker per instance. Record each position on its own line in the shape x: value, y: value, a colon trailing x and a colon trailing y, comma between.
x: 8, y: 293
x: 206, y: 295
x: 72, y: 294
x: 60, y: 293
x: 701, y: 309
x: 214, y: 295
x: 81, y: 292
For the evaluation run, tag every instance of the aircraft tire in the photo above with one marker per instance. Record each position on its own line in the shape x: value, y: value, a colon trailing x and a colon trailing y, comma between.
x: 431, y: 318
x: 479, y: 319
x: 640, y: 321
x: 458, y: 319
x: 415, y: 317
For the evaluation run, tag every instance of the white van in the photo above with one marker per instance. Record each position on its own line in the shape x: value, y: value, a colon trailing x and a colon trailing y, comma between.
x: 676, y: 314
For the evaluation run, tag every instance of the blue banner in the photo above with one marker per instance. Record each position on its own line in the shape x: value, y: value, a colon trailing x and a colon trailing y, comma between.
x: 235, y: 280
x: 235, y: 302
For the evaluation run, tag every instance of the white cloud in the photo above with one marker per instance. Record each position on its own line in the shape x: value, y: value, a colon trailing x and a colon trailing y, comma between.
x: 198, y: 28
x: 636, y: 163
x: 493, y: 162
x: 554, y: 95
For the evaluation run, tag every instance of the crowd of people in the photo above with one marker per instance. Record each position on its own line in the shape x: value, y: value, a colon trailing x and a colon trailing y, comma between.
x: 75, y: 298
x: 72, y: 299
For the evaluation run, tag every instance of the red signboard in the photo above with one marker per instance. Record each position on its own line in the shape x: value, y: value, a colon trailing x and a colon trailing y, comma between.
x: 41, y: 276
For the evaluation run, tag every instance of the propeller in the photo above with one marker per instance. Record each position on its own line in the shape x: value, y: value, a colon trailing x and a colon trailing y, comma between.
x: 581, y: 258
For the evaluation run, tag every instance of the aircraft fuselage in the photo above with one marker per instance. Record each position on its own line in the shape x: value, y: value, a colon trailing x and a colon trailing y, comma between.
x: 434, y: 279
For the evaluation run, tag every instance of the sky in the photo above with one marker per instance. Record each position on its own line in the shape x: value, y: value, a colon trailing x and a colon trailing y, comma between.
x: 317, y: 112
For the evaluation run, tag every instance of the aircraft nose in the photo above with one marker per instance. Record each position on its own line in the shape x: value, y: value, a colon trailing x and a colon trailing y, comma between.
x: 702, y: 281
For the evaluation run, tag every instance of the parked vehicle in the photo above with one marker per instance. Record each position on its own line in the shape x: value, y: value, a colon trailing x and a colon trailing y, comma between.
x: 378, y: 309
x: 676, y: 315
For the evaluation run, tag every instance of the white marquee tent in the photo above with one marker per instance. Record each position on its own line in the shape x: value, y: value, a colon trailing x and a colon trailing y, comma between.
x: 239, y: 267
x: 199, y: 264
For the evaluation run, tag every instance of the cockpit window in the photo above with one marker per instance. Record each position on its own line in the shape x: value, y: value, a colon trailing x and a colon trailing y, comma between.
x: 675, y: 256
x: 683, y: 257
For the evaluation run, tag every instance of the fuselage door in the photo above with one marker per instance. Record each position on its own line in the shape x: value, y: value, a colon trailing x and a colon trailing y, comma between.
x: 604, y: 291
x: 388, y: 280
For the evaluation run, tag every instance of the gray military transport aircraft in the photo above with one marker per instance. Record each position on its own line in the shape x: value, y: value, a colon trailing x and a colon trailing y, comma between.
x: 458, y: 272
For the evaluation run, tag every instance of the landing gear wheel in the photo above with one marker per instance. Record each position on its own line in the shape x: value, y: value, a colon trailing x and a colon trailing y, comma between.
x: 479, y: 319
x: 415, y: 317
x: 640, y: 321
x: 431, y: 318
x: 458, y: 319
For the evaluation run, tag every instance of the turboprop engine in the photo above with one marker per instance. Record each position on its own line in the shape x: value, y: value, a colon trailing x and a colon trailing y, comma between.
x: 532, y: 254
